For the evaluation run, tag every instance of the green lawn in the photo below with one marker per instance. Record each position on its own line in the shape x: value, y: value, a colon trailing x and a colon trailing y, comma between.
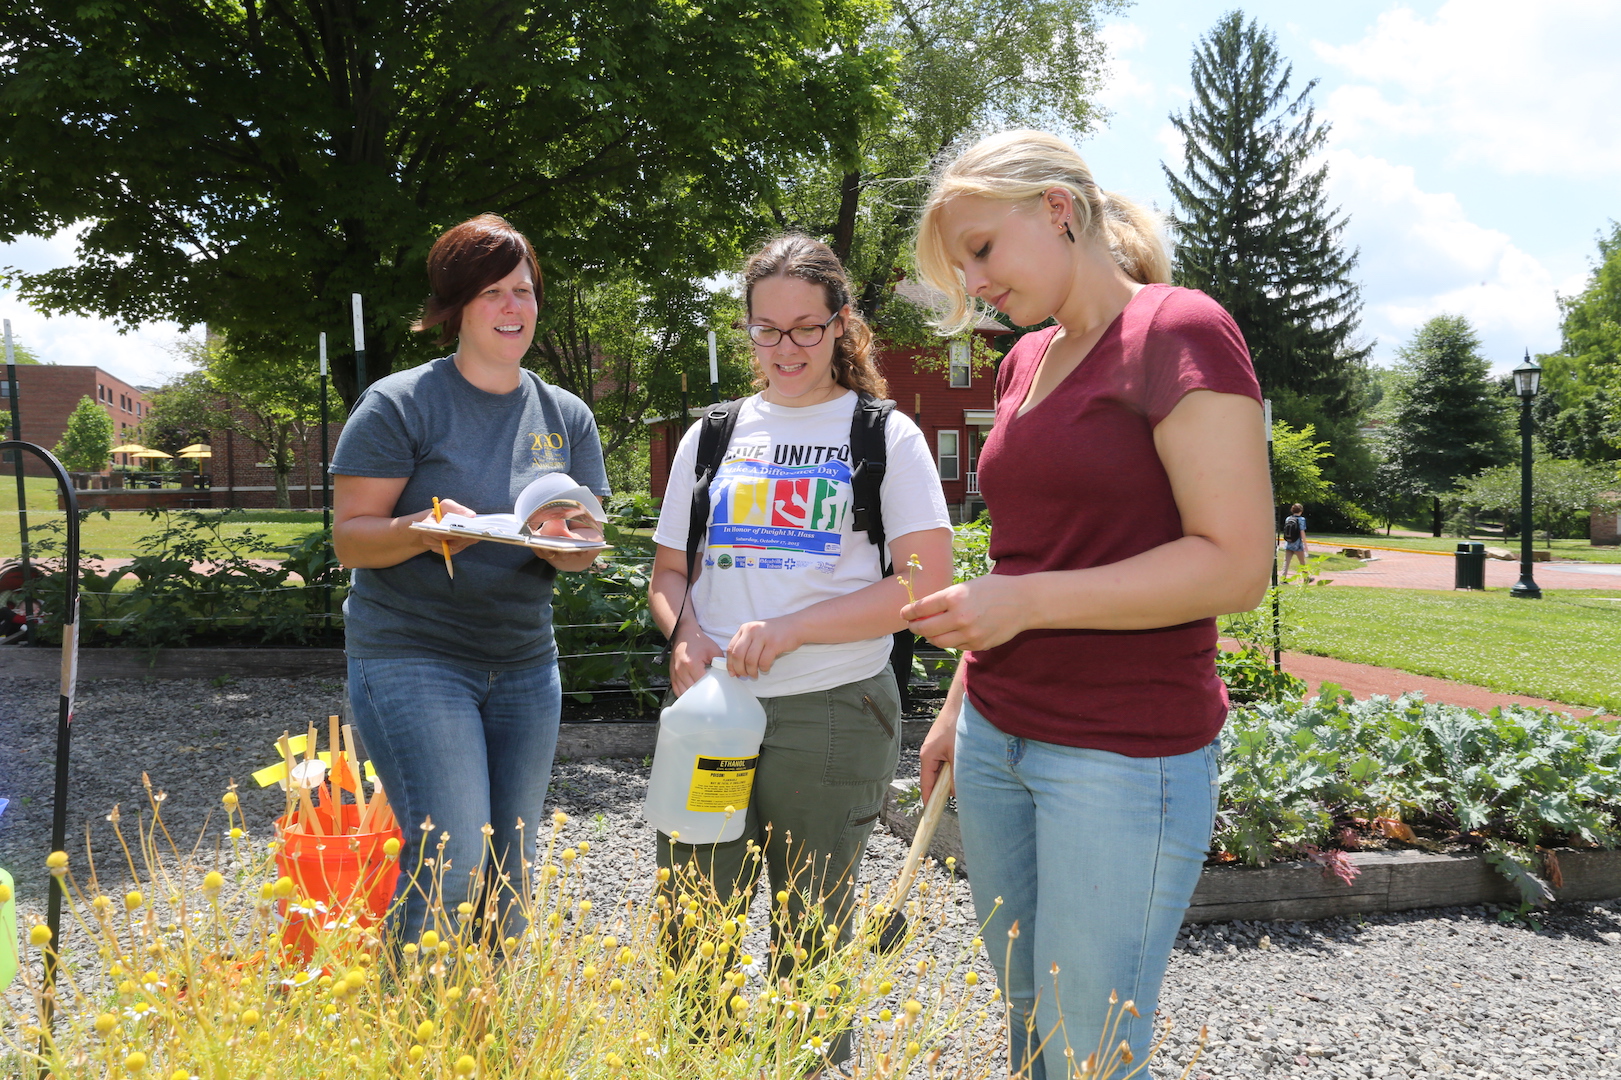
x: 1577, y: 550
x: 1565, y: 647
x: 117, y: 533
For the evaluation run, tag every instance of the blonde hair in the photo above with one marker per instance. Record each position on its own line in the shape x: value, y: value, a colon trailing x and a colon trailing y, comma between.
x: 1018, y: 166
x: 796, y: 255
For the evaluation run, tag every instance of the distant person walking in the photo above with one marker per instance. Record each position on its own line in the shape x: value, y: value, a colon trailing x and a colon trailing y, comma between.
x: 1294, y: 539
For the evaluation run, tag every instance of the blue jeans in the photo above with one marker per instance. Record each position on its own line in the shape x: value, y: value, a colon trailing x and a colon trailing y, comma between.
x: 463, y: 747
x: 1096, y: 856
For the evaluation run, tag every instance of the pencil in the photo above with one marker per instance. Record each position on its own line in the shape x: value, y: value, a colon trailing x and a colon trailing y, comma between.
x: 439, y: 515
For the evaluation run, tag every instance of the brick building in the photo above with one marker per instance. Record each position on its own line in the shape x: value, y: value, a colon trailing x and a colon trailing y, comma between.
x: 47, y: 394
x: 242, y: 477
x: 954, y: 408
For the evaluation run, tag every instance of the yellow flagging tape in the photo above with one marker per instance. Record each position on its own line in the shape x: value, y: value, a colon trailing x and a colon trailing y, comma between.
x: 276, y: 773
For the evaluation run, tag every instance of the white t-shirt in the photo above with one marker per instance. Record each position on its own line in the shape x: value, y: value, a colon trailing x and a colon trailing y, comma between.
x: 779, y: 535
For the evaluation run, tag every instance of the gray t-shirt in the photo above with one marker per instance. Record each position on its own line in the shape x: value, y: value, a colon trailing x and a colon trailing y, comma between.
x: 455, y: 441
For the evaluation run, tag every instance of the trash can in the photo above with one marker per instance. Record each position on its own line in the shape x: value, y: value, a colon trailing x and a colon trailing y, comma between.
x: 1470, y: 570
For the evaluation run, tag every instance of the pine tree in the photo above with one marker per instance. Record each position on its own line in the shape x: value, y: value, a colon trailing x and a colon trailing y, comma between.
x: 1254, y: 230
x: 1450, y: 424
x: 88, y: 441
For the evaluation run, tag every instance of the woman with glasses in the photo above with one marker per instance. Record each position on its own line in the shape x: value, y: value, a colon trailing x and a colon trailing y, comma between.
x: 792, y: 595
x: 1126, y: 474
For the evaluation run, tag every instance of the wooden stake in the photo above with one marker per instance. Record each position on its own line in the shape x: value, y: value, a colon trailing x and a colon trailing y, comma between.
x: 335, y: 776
x: 285, y: 743
x: 932, y: 813
x: 306, y: 809
x: 360, y: 772
x: 376, y: 811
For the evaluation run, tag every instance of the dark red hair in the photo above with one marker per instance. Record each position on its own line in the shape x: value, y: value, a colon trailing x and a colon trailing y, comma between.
x: 465, y: 261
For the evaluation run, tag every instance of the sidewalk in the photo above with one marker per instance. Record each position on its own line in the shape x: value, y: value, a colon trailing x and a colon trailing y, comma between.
x: 1410, y: 570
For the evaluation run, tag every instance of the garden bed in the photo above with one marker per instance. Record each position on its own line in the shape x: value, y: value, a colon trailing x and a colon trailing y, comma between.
x: 45, y: 662
x: 1384, y: 881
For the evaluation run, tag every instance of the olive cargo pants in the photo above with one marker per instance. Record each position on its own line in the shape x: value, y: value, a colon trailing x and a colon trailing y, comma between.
x: 826, y: 762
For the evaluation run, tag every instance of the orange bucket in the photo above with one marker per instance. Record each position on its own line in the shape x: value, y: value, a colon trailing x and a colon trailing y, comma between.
x: 335, y: 876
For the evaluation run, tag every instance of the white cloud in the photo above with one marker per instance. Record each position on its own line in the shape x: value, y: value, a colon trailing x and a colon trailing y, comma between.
x: 1124, y: 85
x: 141, y: 357
x: 1422, y: 257
x: 1521, y: 88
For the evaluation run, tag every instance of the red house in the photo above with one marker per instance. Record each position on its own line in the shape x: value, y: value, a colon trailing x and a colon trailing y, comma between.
x: 953, y: 405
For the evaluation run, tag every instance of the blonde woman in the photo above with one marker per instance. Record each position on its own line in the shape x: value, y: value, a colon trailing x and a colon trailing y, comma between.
x: 1126, y: 478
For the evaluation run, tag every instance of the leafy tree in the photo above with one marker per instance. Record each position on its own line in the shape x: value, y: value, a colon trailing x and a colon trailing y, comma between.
x: 1562, y: 492
x: 22, y: 354
x: 87, y: 443
x: 623, y: 346
x: 961, y: 68
x: 1255, y: 231
x: 274, y: 406
x: 252, y: 165
x: 185, y: 410
x: 1297, y: 470
x: 1578, y: 412
x: 1450, y: 423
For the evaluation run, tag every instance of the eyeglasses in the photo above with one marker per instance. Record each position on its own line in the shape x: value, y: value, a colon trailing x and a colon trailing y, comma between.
x: 803, y: 336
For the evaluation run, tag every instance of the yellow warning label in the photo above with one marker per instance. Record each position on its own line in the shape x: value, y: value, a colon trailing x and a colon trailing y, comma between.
x: 721, y: 782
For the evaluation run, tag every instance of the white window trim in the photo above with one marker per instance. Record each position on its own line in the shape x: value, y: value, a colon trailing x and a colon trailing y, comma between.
x: 941, y: 457
x: 959, y: 359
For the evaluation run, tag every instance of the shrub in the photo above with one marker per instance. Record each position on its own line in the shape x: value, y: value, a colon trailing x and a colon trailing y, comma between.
x: 88, y: 441
x: 195, y: 584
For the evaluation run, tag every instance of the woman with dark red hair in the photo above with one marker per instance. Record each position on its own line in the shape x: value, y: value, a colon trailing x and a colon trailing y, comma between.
x: 453, y: 683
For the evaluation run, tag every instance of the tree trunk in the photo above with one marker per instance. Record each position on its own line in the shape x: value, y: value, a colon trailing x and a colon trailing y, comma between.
x: 1436, y: 503
x: 844, y: 232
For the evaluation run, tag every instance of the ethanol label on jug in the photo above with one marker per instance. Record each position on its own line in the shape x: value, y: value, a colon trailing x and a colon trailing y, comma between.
x: 721, y: 782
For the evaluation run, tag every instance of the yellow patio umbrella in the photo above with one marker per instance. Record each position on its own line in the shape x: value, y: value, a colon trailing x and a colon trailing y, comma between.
x: 128, y: 448
x: 149, y: 453
x: 200, y: 449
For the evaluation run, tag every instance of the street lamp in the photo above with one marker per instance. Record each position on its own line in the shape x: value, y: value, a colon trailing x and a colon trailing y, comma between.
x: 1527, y: 380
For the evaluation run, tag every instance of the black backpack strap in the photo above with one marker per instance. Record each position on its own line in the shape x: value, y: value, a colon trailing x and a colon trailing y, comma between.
x: 868, y: 457
x: 713, y: 439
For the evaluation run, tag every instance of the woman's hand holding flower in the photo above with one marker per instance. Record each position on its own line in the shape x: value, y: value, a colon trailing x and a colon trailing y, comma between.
x: 978, y: 614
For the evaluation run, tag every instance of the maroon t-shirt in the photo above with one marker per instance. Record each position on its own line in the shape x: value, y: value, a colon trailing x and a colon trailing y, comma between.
x: 1076, y: 482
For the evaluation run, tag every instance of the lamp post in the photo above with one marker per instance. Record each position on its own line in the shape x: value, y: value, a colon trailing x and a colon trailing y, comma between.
x: 1527, y: 380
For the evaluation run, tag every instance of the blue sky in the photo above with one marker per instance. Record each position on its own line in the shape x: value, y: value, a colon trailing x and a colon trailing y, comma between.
x: 1476, y: 148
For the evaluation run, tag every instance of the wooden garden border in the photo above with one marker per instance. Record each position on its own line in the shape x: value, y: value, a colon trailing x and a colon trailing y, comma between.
x: 1389, y: 880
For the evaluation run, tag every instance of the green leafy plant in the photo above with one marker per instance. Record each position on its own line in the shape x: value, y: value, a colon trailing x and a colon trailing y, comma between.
x: 606, y: 638
x: 1250, y: 677
x: 1296, y: 772
x: 196, y: 580
x: 971, y: 548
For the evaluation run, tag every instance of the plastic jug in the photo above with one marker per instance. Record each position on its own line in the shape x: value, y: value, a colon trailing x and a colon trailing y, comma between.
x: 708, y: 748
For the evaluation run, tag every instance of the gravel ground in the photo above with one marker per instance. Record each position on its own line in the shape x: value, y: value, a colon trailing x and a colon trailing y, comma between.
x: 1442, y: 993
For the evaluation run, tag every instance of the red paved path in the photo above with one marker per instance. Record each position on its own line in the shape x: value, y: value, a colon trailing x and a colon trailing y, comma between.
x: 1365, y: 680
x: 1406, y: 570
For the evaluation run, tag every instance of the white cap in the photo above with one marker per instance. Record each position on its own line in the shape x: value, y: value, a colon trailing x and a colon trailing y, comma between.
x: 555, y: 487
